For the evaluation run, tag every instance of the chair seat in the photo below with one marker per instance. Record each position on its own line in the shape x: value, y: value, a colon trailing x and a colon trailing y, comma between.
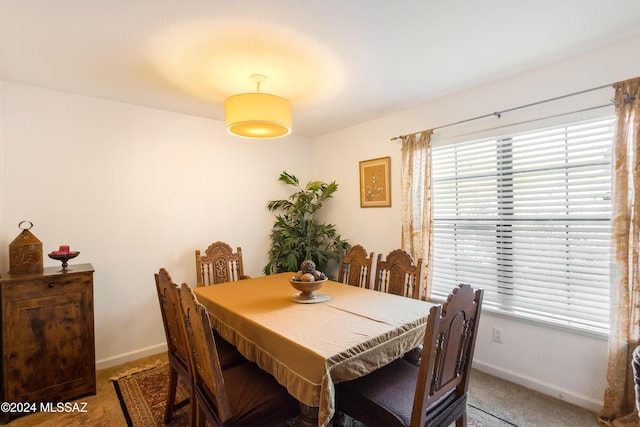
x: 369, y: 401
x: 255, y: 397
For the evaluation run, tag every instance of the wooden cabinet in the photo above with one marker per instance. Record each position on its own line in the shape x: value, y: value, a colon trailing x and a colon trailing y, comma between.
x: 48, y: 350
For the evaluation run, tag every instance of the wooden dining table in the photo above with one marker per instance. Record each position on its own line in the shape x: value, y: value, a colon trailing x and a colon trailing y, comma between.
x: 310, y: 347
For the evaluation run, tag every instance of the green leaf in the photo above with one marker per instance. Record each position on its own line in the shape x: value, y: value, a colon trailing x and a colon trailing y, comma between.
x: 329, y: 190
x: 296, y: 235
x: 287, y: 178
x: 315, y: 186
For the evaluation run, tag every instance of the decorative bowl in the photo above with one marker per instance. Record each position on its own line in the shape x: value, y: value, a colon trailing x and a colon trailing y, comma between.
x: 64, y: 257
x: 307, y: 289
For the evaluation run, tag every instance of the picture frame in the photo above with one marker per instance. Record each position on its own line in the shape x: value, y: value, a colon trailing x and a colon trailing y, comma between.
x: 375, y: 183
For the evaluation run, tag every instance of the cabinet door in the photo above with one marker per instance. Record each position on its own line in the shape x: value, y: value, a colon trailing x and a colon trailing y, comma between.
x: 49, y: 351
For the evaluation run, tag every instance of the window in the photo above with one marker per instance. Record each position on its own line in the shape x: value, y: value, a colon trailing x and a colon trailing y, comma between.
x: 527, y: 217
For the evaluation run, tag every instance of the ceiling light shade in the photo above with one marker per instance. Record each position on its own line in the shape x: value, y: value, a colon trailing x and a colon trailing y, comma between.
x: 258, y: 115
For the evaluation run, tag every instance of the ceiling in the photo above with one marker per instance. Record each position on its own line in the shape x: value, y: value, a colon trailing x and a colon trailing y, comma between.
x: 339, y: 62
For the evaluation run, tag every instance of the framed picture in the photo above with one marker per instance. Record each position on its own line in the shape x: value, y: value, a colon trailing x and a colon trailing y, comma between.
x: 375, y: 183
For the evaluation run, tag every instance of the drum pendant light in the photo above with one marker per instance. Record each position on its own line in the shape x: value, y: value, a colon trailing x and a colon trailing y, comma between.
x: 258, y: 115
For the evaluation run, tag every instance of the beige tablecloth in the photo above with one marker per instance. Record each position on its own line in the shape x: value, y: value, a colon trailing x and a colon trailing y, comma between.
x: 310, y: 347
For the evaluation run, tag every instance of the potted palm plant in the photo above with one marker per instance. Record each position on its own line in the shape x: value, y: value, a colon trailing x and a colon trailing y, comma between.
x: 297, y: 235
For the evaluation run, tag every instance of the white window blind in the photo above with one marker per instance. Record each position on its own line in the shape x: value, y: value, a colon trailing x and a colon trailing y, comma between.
x: 527, y: 217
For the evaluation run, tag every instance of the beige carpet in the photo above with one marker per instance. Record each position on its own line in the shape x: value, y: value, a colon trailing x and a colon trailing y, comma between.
x: 524, y: 407
x: 143, y: 394
x: 517, y: 404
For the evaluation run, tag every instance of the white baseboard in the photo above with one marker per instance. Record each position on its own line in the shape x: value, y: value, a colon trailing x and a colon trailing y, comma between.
x: 534, y: 384
x: 133, y: 355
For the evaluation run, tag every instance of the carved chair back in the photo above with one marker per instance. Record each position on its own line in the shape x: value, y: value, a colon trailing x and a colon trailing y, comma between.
x: 448, y: 349
x: 177, y: 347
x: 355, y: 267
x: 219, y: 264
x: 397, y: 274
x: 208, y: 379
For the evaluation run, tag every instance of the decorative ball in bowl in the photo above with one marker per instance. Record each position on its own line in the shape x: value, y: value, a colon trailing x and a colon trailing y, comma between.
x: 307, y: 280
x: 307, y: 289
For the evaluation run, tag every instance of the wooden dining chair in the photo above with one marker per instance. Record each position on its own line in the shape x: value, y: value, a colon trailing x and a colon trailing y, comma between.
x: 177, y: 347
x: 433, y: 394
x: 178, y: 354
x: 242, y: 395
x: 397, y: 274
x: 219, y: 264
x: 355, y: 267
x: 635, y: 367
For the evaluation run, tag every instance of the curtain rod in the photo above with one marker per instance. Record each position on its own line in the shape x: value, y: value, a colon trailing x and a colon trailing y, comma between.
x: 499, y: 114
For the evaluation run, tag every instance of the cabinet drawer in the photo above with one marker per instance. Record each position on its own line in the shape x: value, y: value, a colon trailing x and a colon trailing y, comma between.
x: 45, y: 286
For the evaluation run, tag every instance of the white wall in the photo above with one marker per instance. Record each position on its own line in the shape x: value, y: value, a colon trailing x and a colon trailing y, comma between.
x: 2, y: 234
x: 133, y: 189
x: 551, y: 360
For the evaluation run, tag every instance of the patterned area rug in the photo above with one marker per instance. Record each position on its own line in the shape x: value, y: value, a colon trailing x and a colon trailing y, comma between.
x: 143, y: 393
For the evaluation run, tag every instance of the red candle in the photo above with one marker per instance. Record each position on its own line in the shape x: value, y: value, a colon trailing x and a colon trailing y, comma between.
x: 64, y: 249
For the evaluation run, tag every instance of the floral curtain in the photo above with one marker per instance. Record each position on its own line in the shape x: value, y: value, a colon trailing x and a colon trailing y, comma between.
x: 619, y: 398
x: 417, y: 205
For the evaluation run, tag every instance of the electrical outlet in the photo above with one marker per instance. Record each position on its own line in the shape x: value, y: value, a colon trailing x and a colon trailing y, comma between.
x: 497, y: 335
